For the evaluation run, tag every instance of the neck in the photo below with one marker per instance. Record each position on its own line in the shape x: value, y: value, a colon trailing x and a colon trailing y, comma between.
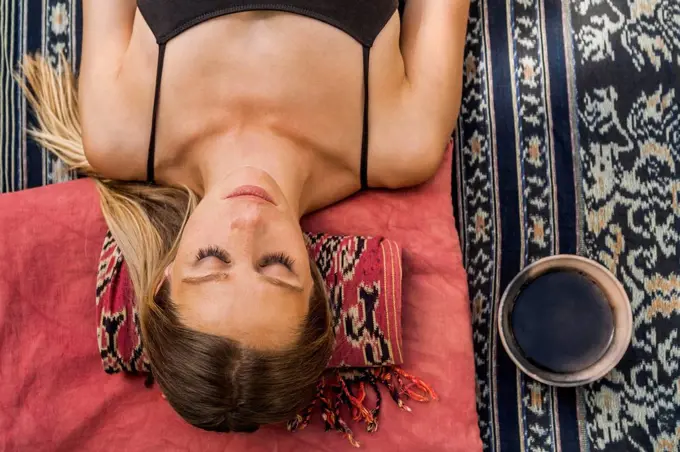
x: 285, y: 161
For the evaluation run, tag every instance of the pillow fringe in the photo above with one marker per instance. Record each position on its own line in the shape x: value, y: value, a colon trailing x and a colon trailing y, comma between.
x: 348, y: 389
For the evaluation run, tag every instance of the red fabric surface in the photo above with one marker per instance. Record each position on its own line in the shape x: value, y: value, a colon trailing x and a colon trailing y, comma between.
x: 56, y: 397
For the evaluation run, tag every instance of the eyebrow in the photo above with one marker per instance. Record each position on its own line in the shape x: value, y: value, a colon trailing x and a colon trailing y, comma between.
x: 213, y: 277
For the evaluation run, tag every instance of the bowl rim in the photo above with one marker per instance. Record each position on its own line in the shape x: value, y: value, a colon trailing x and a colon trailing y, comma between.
x: 618, y: 301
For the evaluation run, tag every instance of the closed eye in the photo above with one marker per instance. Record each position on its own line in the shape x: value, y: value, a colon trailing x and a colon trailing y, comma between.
x: 277, y: 259
x: 266, y: 261
x: 213, y: 251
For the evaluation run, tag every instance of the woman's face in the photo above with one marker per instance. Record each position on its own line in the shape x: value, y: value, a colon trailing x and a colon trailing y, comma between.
x: 242, y: 268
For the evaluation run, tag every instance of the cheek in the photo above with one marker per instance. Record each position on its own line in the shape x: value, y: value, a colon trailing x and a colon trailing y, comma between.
x: 199, y: 227
x: 293, y: 235
x: 201, y: 230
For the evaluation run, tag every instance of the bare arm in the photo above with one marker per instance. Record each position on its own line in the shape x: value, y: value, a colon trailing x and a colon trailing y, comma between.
x: 107, y: 30
x: 432, y: 43
x: 107, y: 27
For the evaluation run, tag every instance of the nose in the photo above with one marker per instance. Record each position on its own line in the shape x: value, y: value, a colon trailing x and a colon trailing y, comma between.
x: 247, y: 218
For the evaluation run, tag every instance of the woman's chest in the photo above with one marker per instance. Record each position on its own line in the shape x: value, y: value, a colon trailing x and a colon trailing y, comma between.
x: 290, y: 74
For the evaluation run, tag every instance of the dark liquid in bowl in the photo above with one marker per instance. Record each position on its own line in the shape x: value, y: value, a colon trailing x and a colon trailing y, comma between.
x: 562, y: 322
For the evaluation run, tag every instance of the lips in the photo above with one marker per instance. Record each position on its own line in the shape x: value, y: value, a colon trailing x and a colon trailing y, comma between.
x: 253, y: 191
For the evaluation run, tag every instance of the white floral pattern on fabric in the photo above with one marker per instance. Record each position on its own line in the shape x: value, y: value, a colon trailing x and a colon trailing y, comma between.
x: 642, y: 170
x: 629, y: 124
x: 475, y: 150
x: 649, y: 30
x: 59, y: 18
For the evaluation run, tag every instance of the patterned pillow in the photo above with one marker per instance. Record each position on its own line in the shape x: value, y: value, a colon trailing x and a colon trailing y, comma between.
x: 363, y: 277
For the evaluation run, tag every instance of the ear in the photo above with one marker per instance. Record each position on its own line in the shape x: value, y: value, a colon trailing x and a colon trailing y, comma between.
x: 167, y: 272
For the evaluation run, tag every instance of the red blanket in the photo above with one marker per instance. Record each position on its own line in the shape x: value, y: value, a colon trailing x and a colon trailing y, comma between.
x: 55, y: 397
x: 363, y: 279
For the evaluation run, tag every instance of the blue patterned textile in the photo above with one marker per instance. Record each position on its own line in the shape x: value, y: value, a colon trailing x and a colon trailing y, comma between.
x: 569, y: 142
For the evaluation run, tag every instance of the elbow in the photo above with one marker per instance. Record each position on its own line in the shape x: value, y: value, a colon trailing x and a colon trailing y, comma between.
x: 431, y: 158
x: 101, y: 155
x: 420, y: 162
x: 95, y: 154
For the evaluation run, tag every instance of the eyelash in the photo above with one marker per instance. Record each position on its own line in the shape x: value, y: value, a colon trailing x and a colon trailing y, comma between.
x: 212, y: 251
x: 277, y: 258
x: 269, y: 259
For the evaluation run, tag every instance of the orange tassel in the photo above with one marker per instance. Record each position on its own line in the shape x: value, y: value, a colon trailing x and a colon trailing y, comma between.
x: 361, y: 397
x: 338, y: 423
x: 359, y: 410
x: 417, y: 389
x: 331, y: 396
x: 385, y: 377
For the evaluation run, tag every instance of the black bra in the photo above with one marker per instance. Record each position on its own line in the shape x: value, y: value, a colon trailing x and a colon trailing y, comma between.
x: 363, y: 20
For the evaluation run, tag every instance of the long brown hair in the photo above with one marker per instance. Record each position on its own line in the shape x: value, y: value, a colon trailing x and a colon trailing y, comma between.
x: 217, y: 384
x: 214, y: 383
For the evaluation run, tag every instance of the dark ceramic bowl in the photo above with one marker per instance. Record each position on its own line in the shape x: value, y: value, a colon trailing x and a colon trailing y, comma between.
x: 615, y: 296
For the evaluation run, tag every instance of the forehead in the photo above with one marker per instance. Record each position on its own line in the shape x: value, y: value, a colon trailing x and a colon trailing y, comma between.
x: 255, y: 313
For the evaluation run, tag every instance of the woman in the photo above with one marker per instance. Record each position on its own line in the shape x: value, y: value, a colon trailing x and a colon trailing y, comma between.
x: 265, y: 111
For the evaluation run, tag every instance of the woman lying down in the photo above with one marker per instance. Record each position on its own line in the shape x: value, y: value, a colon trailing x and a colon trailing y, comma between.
x: 211, y: 128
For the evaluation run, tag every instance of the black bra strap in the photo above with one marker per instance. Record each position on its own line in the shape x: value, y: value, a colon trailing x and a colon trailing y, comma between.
x: 150, y: 163
x: 364, y: 139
